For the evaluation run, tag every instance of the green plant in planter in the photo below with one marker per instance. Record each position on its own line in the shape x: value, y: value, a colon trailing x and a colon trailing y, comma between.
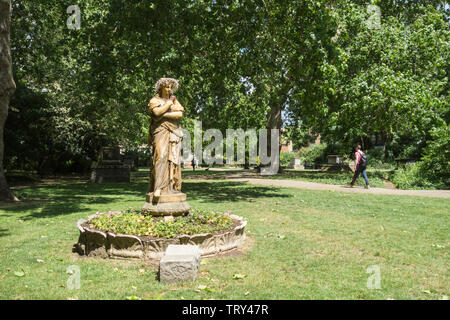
x: 138, y: 222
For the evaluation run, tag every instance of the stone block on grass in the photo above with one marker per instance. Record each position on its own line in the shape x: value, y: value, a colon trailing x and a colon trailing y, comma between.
x: 179, y: 263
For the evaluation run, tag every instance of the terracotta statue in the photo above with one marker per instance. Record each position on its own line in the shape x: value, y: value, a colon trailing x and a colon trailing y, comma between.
x: 165, y: 138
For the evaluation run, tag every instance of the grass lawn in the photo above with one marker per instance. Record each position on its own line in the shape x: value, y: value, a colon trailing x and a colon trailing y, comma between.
x: 377, y: 178
x: 302, y: 245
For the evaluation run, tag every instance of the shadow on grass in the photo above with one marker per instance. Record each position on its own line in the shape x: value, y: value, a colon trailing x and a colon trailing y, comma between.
x: 4, y: 232
x: 228, y: 191
x: 51, y: 200
x: 46, y: 201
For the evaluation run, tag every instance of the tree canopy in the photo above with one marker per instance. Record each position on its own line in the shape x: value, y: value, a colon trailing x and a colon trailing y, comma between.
x: 241, y: 64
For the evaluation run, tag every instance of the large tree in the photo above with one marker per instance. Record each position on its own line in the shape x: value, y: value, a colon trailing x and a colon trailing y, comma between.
x: 7, y: 87
x: 389, y: 80
x: 241, y: 64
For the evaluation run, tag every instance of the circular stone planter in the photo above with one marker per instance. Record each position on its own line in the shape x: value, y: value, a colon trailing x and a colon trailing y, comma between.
x: 92, y: 242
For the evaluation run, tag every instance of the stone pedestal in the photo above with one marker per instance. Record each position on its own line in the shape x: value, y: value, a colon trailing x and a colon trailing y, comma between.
x: 173, y: 204
x: 179, y: 263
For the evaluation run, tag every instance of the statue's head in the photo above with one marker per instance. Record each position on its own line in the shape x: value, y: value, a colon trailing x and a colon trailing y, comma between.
x: 170, y: 83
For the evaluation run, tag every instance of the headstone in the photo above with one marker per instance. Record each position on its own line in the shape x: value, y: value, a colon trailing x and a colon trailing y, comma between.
x: 334, y: 159
x: 110, y: 155
x: 110, y: 167
x: 130, y: 162
x: 296, y: 163
x: 179, y: 263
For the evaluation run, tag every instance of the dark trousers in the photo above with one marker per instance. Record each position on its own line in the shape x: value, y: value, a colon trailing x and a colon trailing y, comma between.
x: 360, y: 169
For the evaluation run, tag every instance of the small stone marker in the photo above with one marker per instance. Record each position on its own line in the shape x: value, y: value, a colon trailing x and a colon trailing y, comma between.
x: 179, y: 263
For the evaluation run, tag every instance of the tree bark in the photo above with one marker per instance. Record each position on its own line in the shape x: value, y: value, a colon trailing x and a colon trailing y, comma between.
x: 273, y: 117
x: 7, y: 88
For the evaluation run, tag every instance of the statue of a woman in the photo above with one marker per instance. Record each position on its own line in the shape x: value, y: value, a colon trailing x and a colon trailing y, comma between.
x: 165, y: 137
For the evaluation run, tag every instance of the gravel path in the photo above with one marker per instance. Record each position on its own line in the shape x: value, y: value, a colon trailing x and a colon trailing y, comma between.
x: 322, y: 186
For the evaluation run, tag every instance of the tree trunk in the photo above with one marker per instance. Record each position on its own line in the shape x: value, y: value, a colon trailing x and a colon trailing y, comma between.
x: 274, y: 121
x: 7, y: 87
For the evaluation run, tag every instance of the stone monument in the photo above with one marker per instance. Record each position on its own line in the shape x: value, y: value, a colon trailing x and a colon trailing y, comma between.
x: 297, y: 164
x: 179, y: 263
x: 164, y: 196
x: 110, y: 167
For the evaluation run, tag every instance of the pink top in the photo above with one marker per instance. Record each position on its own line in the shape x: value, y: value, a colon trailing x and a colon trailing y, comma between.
x: 357, y: 157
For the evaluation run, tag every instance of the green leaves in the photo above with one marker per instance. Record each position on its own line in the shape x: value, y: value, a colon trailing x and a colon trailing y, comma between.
x: 137, y: 222
x: 315, y: 60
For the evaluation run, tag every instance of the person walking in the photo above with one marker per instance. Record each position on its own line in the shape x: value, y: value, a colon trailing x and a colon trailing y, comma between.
x: 360, y: 166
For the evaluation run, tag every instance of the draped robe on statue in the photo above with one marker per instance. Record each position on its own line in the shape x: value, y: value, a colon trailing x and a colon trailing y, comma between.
x: 165, y: 137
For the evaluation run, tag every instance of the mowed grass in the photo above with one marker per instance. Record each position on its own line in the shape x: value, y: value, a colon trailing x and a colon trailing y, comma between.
x: 301, y: 245
x: 377, y: 178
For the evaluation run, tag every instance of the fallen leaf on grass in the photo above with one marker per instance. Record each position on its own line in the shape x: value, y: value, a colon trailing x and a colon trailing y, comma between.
x: 19, y: 273
x: 239, y: 276
x: 2, y: 277
x: 205, y: 288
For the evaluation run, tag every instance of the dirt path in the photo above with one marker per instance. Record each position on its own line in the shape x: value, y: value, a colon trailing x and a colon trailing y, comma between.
x: 322, y: 186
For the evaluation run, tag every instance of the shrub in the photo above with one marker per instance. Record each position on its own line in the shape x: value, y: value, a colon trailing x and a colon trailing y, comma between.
x: 436, y: 161
x: 434, y: 169
x: 377, y: 161
x: 314, y: 154
x: 411, y: 177
x: 285, y: 158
